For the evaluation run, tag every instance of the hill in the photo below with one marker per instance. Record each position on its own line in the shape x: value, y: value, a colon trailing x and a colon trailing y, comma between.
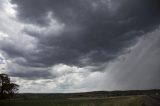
x: 96, y: 98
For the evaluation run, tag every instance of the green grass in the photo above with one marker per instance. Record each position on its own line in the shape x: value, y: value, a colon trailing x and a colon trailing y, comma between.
x: 112, y: 101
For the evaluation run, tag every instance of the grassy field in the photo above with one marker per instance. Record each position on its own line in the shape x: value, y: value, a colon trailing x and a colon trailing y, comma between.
x: 111, y: 101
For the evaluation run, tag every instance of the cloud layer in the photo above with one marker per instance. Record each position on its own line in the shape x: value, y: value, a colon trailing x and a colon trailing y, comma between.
x: 83, y: 32
x: 60, y: 40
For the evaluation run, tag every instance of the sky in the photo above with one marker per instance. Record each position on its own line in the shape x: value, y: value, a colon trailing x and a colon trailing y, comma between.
x: 50, y: 46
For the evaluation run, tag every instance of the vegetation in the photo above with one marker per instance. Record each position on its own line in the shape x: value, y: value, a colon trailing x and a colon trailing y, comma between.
x: 78, y: 99
x: 116, y: 101
x: 7, y: 89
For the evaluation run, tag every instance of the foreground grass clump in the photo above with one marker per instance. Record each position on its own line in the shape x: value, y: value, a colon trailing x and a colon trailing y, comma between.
x: 113, y: 101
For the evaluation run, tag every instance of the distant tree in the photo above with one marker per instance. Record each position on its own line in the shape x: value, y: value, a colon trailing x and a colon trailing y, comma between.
x: 7, y: 89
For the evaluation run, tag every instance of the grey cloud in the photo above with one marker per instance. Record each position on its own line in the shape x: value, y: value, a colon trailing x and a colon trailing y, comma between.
x: 32, y: 75
x: 11, y: 50
x: 29, y: 73
x: 93, y: 34
x: 102, y: 37
x: 144, y: 13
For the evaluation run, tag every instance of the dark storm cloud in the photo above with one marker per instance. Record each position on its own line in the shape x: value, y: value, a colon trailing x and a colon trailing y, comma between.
x: 11, y: 50
x: 32, y: 75
x: 102, y: 34
x: 143, y: 13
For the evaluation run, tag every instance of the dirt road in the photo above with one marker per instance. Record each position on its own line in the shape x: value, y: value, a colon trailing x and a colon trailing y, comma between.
x: 152, y: 101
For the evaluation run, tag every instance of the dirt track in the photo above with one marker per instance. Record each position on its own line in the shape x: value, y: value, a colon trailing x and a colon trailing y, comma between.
x: 152, y: 101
